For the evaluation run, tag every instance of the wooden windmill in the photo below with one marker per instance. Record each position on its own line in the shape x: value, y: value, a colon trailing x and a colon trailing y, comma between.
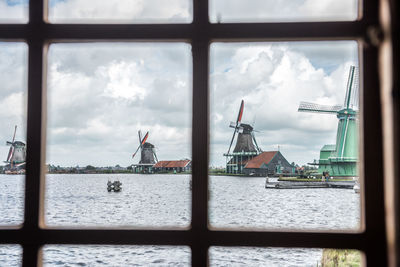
x: 16, y: 156
x: 341, y: 159
x: 244, y: 149
x: 148, y: 155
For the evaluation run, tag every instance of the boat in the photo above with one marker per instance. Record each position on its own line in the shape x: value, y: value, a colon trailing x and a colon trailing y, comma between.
x: 356, y: 188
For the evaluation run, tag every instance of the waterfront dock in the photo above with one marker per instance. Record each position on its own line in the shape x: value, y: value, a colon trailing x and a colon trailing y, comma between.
x: 276, y: 183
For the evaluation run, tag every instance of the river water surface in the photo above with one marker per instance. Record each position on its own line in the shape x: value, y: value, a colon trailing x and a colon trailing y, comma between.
x: 164, y: 201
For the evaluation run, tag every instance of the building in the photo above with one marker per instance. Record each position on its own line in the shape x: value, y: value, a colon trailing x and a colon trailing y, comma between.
x: 173, y: 166
x: 269, y: 163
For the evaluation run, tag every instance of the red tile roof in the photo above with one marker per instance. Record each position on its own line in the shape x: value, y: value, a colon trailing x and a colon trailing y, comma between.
x: 172, y: 163
x: 258, y: 161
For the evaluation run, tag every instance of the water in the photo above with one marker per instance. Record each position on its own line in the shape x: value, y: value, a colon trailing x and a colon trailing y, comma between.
x: 164, y: 201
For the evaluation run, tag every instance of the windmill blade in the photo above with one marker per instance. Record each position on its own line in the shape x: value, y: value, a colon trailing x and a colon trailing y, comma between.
x: 233, y: 137
x: 134, y: 154
x: 312, y: 107
x: 154, y: 153
x: 239, y: 118
x: 141, y: 143
x: 140, y: 137
x: 144, y: 139
x: 354, y: 97
x: 15, y: 131
x: 10, y: 153
x: 255, y: 142
x: 349, y: 87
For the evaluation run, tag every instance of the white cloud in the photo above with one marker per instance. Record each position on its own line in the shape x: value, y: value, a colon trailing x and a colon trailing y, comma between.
x: 128, y: 11
x: 101, y: 94
x: 16, y: 13
x: 123, y: 80
x: 282, y: 10
x: 272, y: 80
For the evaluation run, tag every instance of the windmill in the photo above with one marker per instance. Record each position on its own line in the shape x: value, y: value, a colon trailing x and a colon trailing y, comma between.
x: 147, y: 154
x: 340, y: 160
x: 16, y: 155
x: 244, y: 149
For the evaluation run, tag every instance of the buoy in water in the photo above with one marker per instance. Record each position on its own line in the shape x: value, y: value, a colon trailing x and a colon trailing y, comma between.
x: 114, y: 186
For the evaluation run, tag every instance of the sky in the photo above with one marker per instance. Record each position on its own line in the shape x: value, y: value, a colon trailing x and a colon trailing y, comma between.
x: 101, y: 94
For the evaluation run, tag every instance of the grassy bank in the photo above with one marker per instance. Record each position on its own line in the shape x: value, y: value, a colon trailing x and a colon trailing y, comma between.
x: 340, y: 258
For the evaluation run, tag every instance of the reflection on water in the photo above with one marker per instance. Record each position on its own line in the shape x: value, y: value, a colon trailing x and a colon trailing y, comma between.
x: 165, y: 200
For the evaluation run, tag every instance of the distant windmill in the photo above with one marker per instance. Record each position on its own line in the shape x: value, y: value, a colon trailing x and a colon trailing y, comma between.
x: 244, y: 149
x: 341, y: 159
x: 246, y: 136
x: 17, y: 154
x: 147, y: 153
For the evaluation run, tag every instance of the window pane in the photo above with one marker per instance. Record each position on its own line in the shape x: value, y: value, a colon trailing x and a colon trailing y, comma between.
x: 252, y: 256
x: 270, y: 146
x: 117, y: 11
x: 116, y: 256
x: 13, y: 80
x: 284, y: 10
x: 100, y: 95
x: 14, y: 11
x: 10, y: 255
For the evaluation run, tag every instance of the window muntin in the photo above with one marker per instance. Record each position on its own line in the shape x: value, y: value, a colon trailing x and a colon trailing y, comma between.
x: 14, y: 11
x: 127, y: 11
x: 227, y: 11
x: 272, y: 79
x: 117, y: 256
x: 99, y: 96
x: 13, y: 76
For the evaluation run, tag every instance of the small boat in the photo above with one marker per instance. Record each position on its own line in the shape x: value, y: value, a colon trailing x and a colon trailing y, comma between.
x: 356, y: 188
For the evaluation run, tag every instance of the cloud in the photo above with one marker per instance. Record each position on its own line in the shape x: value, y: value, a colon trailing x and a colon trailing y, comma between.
x: 282, y: 10
x: 120, y: 11
x: 101, y: 94
x: 13, y: 11
x: 98, y: 103
x: 273, y: 79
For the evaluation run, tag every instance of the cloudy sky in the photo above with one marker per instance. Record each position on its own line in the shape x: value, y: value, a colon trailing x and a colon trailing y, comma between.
x: 101, y: 94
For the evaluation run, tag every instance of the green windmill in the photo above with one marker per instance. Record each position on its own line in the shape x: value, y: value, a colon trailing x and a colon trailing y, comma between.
x: 341, y: 159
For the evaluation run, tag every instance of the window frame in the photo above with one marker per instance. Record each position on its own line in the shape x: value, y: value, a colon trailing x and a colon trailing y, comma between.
x: 200, y: 33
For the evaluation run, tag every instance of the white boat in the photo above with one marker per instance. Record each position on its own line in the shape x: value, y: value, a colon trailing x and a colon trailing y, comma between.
x: 356, y: 187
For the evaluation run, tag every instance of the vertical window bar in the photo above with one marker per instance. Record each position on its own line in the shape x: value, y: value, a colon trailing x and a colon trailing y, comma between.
x: 34, y: 135
x: 200, y: 125
x: 373, y: 159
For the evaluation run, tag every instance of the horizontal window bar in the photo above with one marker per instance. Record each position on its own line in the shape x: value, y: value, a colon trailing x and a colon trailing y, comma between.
x: 173, y: 237
x: 264, y: 31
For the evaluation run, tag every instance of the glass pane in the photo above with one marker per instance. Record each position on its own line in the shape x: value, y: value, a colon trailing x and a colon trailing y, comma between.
x: 14, y: 11
x: 278, y: 139
x: 282, y: 11
x: 100, y: 96
x: 116, y: 256
x: 252, y: 256
x: 117, y: 11
x: 13, y: 80
x: 10, y: 255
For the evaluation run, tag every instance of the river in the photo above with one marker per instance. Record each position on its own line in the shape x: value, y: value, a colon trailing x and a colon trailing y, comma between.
x: 165, y: 201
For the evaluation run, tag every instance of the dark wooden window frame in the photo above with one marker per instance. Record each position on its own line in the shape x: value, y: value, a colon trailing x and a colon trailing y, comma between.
x: 200, y: 33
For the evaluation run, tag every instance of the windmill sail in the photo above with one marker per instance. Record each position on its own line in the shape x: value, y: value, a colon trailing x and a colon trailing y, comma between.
x: 237, y: 125
x: 312, y: 107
